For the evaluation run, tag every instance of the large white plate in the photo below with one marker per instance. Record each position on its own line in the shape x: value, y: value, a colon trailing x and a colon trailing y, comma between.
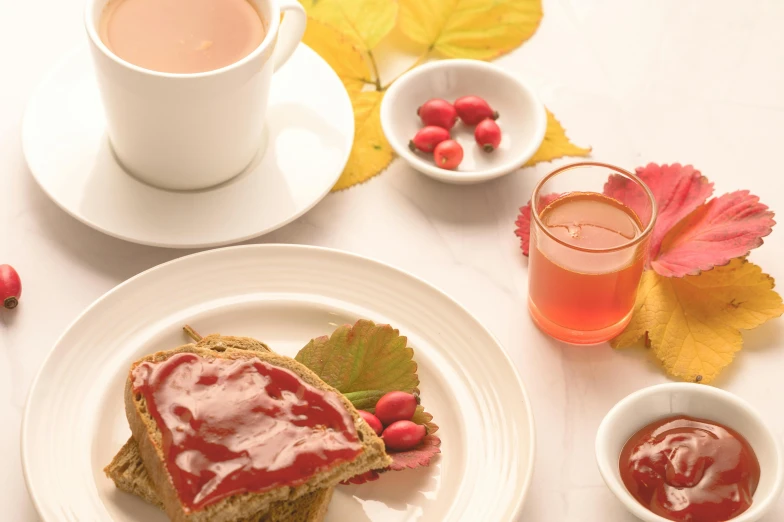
x: 74, y: 420
x: 310, y: 129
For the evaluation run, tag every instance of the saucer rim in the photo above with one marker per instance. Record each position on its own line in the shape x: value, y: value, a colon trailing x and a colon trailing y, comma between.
x: 66, y: 59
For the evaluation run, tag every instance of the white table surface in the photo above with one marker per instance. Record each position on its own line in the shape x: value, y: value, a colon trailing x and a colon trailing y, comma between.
x: 697, y: 82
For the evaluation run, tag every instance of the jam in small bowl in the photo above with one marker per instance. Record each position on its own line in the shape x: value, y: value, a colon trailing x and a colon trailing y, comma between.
x: 691, y: 453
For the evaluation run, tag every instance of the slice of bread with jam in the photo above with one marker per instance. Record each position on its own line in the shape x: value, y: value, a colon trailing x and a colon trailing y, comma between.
x: 128, y: 473
x: 226, y: 434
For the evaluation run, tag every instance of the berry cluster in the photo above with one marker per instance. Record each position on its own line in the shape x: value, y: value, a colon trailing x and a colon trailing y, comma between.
x: 392, y: 421
x: 439, y: 116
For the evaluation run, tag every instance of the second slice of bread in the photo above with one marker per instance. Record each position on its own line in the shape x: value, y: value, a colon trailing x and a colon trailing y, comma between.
x: 129, y: 475
x: 245, y: 505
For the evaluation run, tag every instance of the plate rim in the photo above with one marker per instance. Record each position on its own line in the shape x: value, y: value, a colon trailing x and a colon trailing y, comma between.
x: 72, y: 54
x: 350, y: 257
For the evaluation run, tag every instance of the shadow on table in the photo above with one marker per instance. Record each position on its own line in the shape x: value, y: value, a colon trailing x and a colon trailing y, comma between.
x: 475, y: 205
x: 761, y: 339
x: 114, y: 257
x: 765, y: 337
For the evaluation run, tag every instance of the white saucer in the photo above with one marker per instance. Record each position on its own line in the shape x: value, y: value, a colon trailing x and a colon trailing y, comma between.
x: 310, y: 132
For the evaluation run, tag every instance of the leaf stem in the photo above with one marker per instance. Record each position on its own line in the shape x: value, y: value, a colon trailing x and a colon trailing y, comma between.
x: 377, y: 82
x: 419, y: 61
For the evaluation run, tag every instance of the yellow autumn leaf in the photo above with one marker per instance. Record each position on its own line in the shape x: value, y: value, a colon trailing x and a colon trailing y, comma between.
x: 555, y: 144
x: 479, y: 29
x: 371, y: 153
x: 365, y: 22
x: 338, y: 51
x: 693, y: 322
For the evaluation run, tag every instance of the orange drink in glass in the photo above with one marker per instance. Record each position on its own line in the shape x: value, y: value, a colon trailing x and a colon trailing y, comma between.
x: 587, y: 252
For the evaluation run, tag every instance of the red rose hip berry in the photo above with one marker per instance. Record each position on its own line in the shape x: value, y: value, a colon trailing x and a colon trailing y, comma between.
x: 427, y: 138
x: 396, y: 406
x: 448, y: 154
x: 403, y: 435
x: 438, y: 112
x: 372, y: 421
x: 10, y: 286
x: 473, y: 109
x: 488, y: 135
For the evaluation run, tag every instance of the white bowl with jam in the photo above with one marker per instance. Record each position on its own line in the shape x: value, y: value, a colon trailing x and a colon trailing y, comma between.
x: 689, y: 452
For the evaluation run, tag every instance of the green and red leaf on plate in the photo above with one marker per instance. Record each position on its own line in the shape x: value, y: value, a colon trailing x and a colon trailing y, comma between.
x: 364, y: 361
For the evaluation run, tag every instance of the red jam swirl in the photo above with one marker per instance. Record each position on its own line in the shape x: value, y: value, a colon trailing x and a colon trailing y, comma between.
x: 690, y: 470
x: 235, y: 426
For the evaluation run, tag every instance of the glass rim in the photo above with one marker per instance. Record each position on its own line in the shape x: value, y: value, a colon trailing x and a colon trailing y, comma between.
x: 643, y: 235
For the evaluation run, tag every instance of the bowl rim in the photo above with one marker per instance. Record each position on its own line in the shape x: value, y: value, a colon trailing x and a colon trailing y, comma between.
x: 607, y: 462
x: 518, y: 161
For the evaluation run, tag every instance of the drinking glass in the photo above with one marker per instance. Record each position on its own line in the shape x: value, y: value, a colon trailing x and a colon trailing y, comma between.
x: 590, y: 231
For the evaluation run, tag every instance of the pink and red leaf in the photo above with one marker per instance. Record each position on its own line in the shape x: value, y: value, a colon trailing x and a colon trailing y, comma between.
x: 689, y: 235
x: 725, y: 228
x: 427, y: 449
x: 523, y: 230
x: 419, y: 456
x: 678, y: 190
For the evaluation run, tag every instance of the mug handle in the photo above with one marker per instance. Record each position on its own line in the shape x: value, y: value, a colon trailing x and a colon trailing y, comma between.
x: 292, y: 28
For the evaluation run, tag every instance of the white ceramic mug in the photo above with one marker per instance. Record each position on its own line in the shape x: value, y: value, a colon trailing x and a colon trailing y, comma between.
x: 192, y: 131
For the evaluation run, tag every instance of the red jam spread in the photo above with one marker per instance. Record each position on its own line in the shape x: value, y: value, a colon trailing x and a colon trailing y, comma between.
x: 235, y: 426
x: 690, y: 470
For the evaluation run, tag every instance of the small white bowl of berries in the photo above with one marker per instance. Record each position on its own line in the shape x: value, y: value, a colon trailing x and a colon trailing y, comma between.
x: 463, y: 121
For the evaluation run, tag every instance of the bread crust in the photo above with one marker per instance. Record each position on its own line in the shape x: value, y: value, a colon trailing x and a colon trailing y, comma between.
x: 245, y: 505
